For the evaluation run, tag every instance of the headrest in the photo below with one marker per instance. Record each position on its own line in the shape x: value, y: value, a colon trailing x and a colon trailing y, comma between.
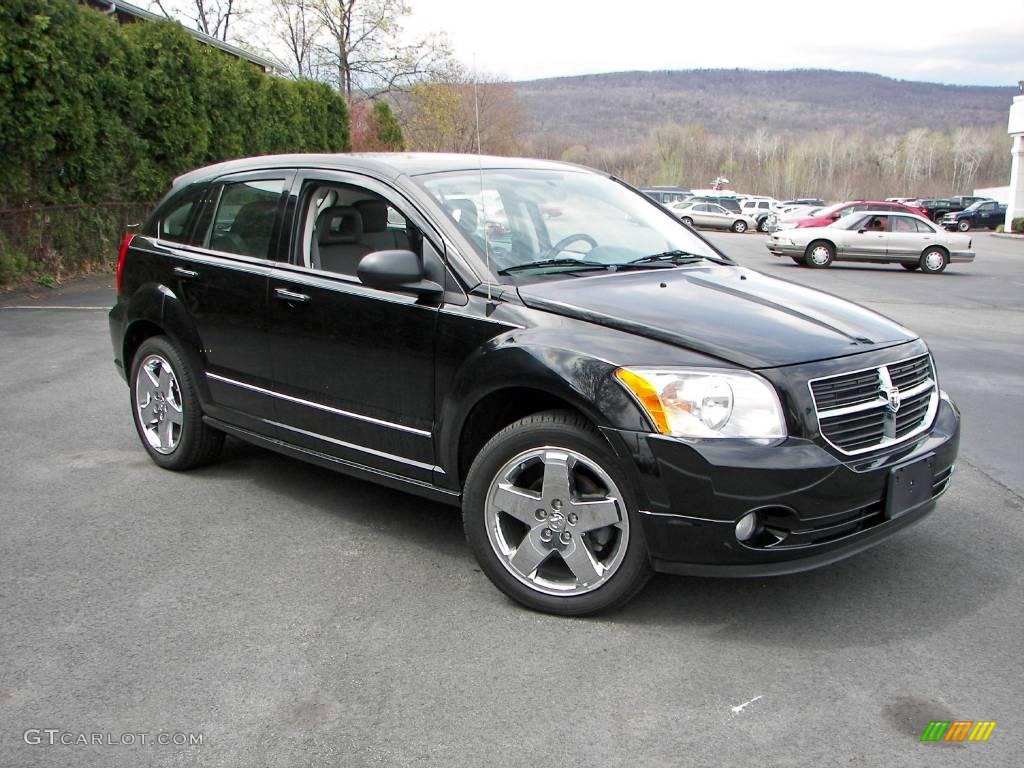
x: 255, y: 218
x: 467, y: 217
x: 339, y: 224
x: 374, y: 213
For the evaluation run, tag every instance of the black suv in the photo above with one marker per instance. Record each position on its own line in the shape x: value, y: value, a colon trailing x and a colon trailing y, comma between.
x: 600, y: 390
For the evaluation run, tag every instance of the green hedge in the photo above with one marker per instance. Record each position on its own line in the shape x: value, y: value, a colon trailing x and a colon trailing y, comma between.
x: 1017, y: 225
x: 93, y: 112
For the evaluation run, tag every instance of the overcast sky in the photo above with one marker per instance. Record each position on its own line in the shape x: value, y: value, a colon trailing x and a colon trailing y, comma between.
x: 946, y: 41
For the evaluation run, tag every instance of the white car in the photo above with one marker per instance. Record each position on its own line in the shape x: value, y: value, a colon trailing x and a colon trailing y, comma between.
x: 759, y: 209
x: 882, y: 237
x: 712, y: 215
x: 786, y: 218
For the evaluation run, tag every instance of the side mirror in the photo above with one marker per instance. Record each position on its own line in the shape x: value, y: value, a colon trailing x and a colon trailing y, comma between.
x: 396, y: 271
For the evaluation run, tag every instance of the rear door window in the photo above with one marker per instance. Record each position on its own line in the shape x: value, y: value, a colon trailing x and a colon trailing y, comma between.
x: 246, y: 219
x: 175, y: 217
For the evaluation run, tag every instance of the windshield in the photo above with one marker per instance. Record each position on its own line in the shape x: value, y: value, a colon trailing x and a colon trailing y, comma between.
x: 848, y: 221
x: 830, y: 210
x: 973, y: 207
x: 533, y: 223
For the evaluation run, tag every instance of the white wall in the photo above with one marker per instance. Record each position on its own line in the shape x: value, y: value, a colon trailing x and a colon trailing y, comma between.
x: 1002, y: 194
x: 1015, y: 198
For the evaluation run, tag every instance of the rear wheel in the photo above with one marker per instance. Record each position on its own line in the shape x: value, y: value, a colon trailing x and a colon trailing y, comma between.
x: 933, y: 261
x: 820, y: 254
x: 550, y: 518
x: 166, y: 409
x: 739, y: 226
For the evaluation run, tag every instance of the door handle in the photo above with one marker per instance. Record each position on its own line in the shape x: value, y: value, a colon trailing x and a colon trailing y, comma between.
x: 286, y: 295
x: 182, y: 272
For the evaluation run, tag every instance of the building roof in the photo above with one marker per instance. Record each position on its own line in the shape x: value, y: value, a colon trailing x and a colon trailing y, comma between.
x: 133, y: 11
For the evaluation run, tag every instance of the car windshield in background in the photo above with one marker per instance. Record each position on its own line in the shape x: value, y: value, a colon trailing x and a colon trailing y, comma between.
x: 533, y: 223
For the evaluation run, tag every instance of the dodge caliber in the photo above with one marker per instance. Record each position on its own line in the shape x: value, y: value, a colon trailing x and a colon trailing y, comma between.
x: 601, y: 391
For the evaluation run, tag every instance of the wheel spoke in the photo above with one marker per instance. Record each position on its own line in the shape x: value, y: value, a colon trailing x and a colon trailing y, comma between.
x: 165, y: 431
x: 164, y: 382
x: 582, y: 562
x: 556, y: 477
x: 595, y: 514
x: 519, y: 504
x: 529, y: 554
x: 154, y: 382
x: 174, y: 414
x: 147, y: 412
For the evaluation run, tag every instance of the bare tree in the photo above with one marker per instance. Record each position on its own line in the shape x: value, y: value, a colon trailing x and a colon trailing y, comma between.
x: 297, y: 26
x: 212, y: 17
x: 366, y: 48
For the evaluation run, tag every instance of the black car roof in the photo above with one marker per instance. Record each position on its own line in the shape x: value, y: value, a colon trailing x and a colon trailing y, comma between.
x: 387, y: 164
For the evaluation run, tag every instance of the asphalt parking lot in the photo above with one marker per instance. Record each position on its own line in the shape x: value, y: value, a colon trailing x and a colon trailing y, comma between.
x: 294, y: 617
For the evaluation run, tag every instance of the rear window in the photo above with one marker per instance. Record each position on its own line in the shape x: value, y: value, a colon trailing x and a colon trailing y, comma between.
x: 173, y: 220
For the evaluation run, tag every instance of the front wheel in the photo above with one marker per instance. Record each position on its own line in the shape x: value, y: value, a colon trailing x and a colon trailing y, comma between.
x: 800, y: 261
x: 964, y: 225
x: 687, y: 221
x: 551, y: 519
x: 166, y: 409
x: 739, y: 226
x: 762, y: 225
x: 933, y: 261
x: 910, y: 267
x: 819, y: 254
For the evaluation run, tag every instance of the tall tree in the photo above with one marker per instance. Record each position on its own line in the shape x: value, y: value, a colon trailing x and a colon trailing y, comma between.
x: 297, y: 25
x: 389, y: 132
x: 367, y: 51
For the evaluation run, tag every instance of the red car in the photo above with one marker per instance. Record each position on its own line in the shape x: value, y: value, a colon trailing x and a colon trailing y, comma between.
x: 826, y: 216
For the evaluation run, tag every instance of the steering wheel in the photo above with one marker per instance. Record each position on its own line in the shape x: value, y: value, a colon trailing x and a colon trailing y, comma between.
x: 561, y: 244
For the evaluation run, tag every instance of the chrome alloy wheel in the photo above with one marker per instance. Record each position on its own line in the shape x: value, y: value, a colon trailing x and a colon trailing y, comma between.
x: 556, y: 521
x: 158, y: 404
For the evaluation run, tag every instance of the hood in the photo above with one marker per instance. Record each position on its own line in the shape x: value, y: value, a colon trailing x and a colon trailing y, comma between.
x: 815, y: 221
x: 732, y: 313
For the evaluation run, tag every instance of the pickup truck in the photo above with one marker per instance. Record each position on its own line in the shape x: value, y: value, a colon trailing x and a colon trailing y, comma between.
x: 983, y: 214
x: 937, y: 208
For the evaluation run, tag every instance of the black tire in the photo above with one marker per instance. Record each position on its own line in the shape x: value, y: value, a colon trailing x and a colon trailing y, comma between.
x: 910, y: 267
x: 623, y: 550
x: 820, y: 254
x: 799, y: 261
x: 197, y: 443
x: 687, y: 221
x: 964, y: 225
x: 739, y: 226
x: 937, y: 218
x: 762, y: 225
x: 934, y: 260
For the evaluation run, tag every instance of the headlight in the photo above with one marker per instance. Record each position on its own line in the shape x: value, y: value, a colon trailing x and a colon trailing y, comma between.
x: 706, y: 403
x: 782, y: 240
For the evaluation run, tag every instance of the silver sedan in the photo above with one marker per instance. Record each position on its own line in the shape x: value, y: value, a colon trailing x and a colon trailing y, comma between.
x: 712, y: 215
x: 881, y: 237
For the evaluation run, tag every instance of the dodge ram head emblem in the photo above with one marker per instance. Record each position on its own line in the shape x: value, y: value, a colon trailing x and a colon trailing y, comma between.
x: 892, y: 394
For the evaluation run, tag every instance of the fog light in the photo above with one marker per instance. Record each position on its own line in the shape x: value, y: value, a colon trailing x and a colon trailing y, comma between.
x: 747, y: 526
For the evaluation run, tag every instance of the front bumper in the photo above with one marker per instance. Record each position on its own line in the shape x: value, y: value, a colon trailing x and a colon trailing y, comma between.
x: 693, y: 493
x: 784, y: 249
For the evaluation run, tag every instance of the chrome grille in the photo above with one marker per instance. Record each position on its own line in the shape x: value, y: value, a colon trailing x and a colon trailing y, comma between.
x: 874, y: 408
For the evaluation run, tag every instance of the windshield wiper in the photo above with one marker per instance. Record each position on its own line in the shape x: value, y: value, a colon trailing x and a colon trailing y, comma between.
x: 674, y: 258
x: 554, y: 263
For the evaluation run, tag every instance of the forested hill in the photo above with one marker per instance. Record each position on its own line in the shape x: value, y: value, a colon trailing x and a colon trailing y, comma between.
x: 618, y: 107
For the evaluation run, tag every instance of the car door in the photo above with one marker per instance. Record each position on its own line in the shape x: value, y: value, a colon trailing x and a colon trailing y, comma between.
x: 908, y: 237
x: 872, y: 242
x: 353, y: 365
x: 220, y: 278
x: 717, y: 216
x: 987, y: 215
